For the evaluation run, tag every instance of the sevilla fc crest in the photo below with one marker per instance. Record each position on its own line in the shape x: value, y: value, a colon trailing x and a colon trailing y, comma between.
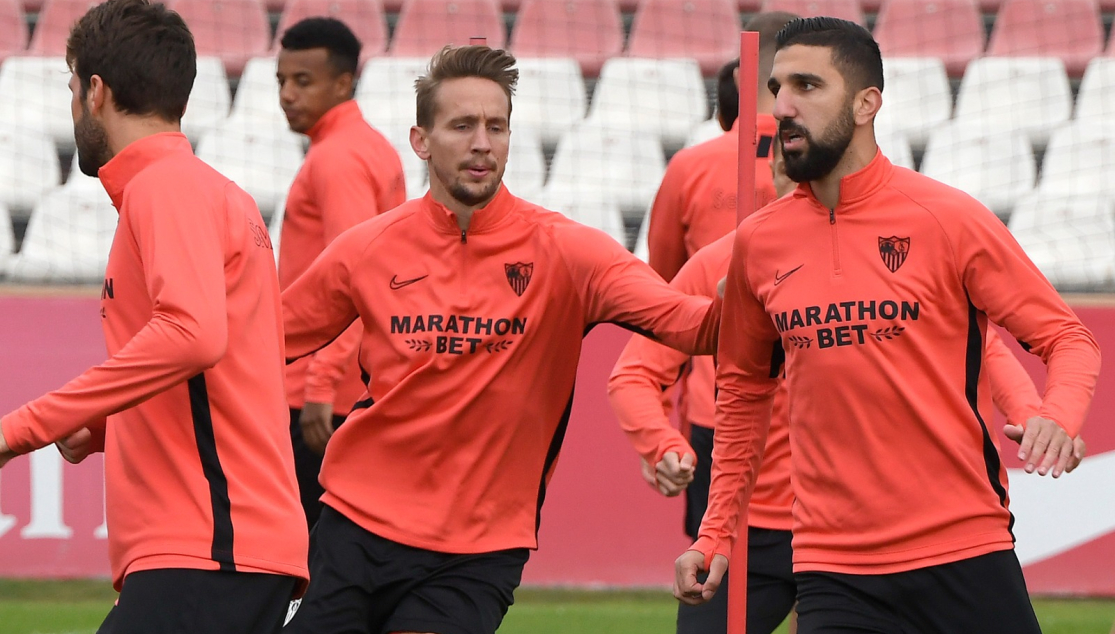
x: 893, y: 251
x: 518, y: 276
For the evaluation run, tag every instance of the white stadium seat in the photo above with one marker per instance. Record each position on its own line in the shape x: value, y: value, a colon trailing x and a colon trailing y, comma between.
x: 660, y: 97
x: 600, y: 215
x: 68, y: 238
x: 995, y: 167
x: 916, y: 97
x: 1028, y: 94
x: 704, y: 131
x: 7, y: 238
x: 525, y: 173
x: 28, y: 168
x: 210, y: 99
x: 623, y: 167
x: 1096, y: 99
x: 1070, y: 238
x: 896, y: 147
x: 1080, y: 159
x: 549, y: 99
x: 386, y: 92
x: 257, y: 98
x: 414, y: 168
x: 642, y: 240
x: 35, y: 95
x: 275, y: 226
x: 262, y: 162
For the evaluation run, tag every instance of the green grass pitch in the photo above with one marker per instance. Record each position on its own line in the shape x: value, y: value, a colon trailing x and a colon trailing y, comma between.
x: 77, y: 607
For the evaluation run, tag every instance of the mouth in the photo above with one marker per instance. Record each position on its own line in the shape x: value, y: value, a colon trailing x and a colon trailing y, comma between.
x: 792, y: 140
x: 478, y: 172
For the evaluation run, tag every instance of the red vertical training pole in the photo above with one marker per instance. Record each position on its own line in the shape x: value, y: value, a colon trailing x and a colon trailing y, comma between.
x: 745, y: 204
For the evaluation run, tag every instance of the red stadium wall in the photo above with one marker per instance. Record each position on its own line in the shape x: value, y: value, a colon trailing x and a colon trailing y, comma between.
x: 601, y: 524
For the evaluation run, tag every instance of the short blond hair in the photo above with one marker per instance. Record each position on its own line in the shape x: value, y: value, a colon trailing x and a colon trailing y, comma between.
x: 463, y: 61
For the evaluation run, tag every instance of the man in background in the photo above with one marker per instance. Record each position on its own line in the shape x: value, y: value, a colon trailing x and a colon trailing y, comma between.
x: 696, y: 202
x: 351, y: 173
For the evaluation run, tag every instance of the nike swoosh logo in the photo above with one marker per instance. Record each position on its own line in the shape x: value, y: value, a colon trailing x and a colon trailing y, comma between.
x: 396, y: 284
x: 779, y: 278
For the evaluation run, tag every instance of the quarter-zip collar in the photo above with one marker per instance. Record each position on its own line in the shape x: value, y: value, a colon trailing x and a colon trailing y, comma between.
x: 336, y: 118
x: 133, y: 159
x: 483, y: 219
x: 857, y: 186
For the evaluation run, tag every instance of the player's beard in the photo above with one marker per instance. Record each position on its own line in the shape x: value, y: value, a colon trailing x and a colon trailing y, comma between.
x: 92, y: 144
x: 822, y: 154
x: 471, y: 197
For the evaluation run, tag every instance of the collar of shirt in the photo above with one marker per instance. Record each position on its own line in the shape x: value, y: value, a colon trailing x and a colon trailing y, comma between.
x: 483, y: 219
x: 335, y: 118
x: 133, y: 159
x: 857, y: 186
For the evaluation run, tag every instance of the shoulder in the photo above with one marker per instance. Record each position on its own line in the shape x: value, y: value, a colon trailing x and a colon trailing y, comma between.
x: 947, y: 205
x: 180, y: 177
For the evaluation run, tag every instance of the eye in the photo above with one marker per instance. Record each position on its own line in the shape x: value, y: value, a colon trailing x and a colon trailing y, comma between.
x: 808, y: 86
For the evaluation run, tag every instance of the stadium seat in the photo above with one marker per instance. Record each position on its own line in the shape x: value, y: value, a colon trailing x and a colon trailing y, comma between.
x: 642, y: 238
x: 262, y: 162
x: 916, y: 97
x: 210, y: 100
x: 659, y: 97
x: 35, y: 94
x: 896, y: 147
x: 997, y: 168
x: 526, y: 166
x: 622, y: 167
x: 13, y: 32
x: 599, y: 215
x: 1030, y: 94
x: 68, y: 238
x: 1080, y: 159
x: 704, y: 131
x: 951, y: 30
x: 844, y: 9
x: 425, y: 26
x: 386, y: 92
x: 1068, y: 29
x: 550, y: 98
x: 1096, y: 100
x: 704, y: 30
x: 52, y: 27
x: 414, y: 168
x: 257, y: 98
x: 234, y: 30
x: 589, y: 31
x: 275, y: 226
x: 28, y: 168
x: 364, y: 17
x: 7, y: 239
x: 1071, y: 238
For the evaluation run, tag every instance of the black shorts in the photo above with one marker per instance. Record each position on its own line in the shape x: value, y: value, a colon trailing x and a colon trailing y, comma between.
x: 984, y: 595
x: 771, y: 589
x: 696, y: 494
x: 360, y: 582
x: 307, y: 466
x: 183, y: 601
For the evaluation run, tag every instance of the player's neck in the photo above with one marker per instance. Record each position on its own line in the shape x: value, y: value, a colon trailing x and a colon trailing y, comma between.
x: 128, y: 129
x: 859, y: 154
x: 463, y: 212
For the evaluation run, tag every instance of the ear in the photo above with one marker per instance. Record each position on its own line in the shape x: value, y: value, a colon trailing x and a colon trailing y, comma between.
x: 98, y: 96
x: 867, y: 105
x: 345, y: 84
x: 418, y: 142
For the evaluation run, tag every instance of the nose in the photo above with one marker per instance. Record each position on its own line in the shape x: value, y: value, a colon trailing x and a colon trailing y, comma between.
x: 481, y: 142
x: 286, y: 92
x: 784, y: 106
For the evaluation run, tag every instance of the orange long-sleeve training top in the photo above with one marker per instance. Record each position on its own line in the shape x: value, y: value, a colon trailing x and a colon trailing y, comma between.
x: 696, y: 202
x: 880, y: 308
x: 198, y: 465
x: 471, y: 340
x: 351, y: 173
x: 646, y: 368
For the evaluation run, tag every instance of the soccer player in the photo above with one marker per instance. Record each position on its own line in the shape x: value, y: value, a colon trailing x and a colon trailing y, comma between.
x: 875, y: 286
x: 696, y: 202
x: 351, y: 173
x: 205, y: 533
x: 473, y: 304
x: 644, y: 372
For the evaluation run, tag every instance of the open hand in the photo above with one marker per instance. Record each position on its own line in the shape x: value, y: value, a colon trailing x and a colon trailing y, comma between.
x: 1079, y: 447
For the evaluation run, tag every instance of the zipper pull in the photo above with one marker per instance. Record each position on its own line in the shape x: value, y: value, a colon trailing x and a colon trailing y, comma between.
x: 832, y: 216
x: 463, y: 238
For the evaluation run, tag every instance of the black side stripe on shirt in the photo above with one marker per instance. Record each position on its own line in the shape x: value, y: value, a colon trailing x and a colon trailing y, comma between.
x: 364, y: 404
x: 973, y: 367
x: 214, y: 473
x: 762, y: 149
x: 551, y: 458
x: 777, y: 359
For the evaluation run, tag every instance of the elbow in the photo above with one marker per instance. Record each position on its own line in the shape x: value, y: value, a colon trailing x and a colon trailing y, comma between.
x: 205, y: 346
